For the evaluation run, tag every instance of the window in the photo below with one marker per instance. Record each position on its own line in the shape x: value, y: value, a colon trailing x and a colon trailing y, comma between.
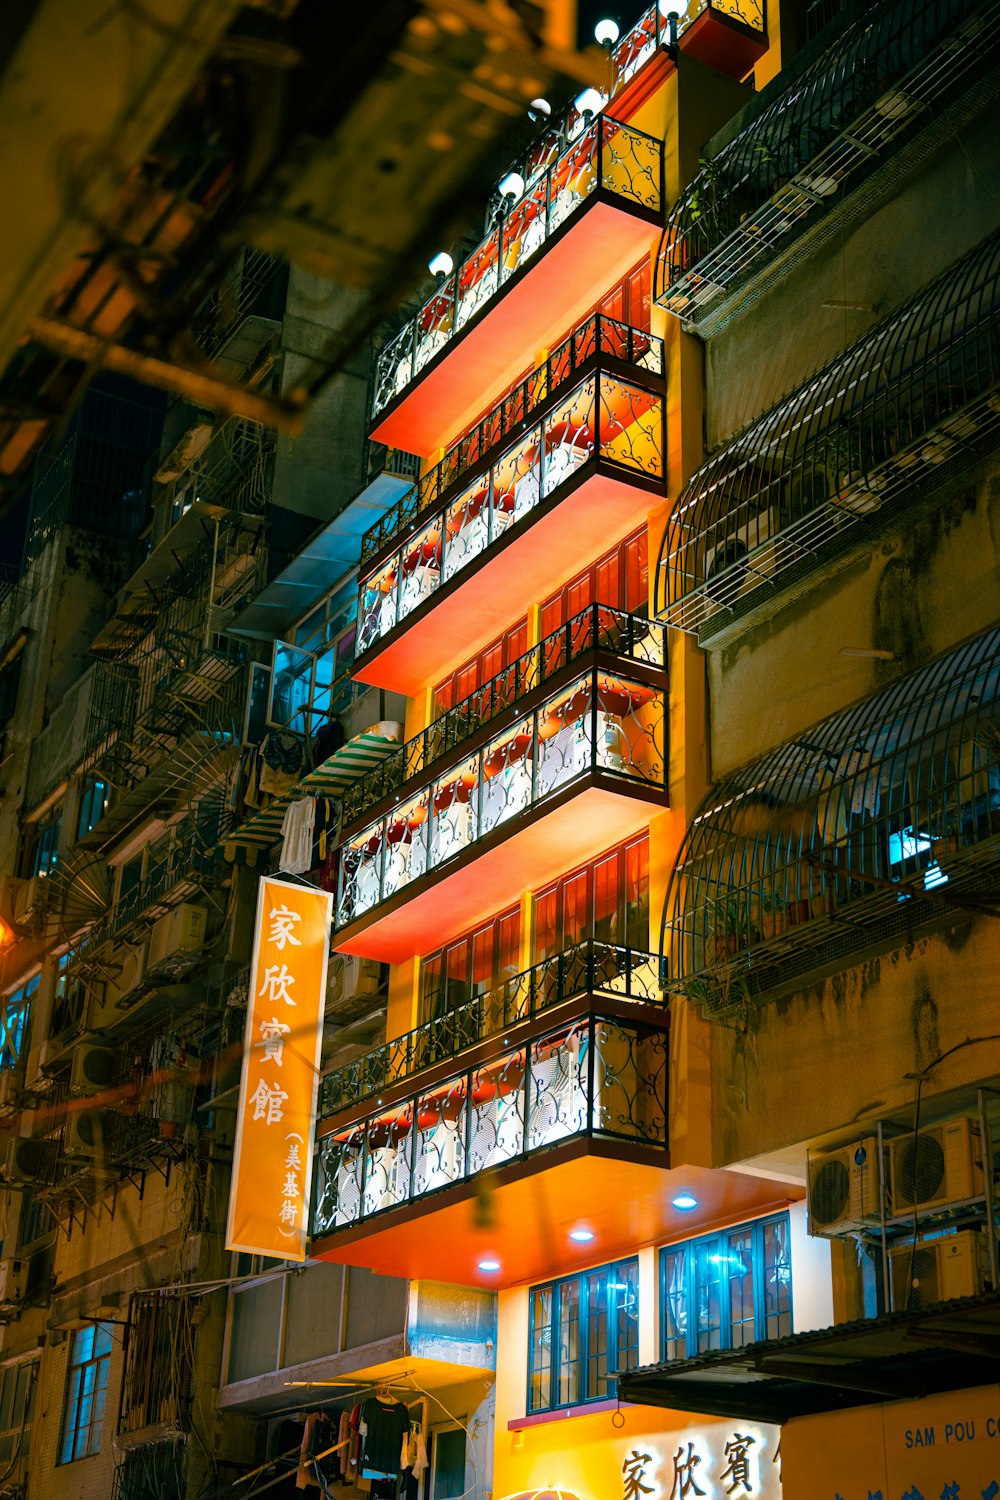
x: 607, y: 900
x: 41, y: 843
x: 628, y: 302
x: 86, y: 1392
x: 481, y: 669
x: 584, y: 1332
x: 619, y: 579
x: 95, y: 796
x: 447, y: 1462
x: 14, y: 1015
x: 476, y: 963
x: 727, y: 1289
x: 17, y: 1401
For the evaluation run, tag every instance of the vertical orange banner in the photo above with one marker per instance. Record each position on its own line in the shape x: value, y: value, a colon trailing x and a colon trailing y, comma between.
x: 269, y: 1195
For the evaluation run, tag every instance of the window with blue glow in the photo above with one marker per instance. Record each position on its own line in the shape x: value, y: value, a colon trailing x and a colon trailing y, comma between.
x: 584, y: 1332
x: 86, y: 1392
x: 726, y: 1290
x: 95, y: 795
x: 15, y: 1011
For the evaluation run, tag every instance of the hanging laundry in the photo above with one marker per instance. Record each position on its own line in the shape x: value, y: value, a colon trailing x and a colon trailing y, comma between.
x: 297, y: 836
x: 282, y: 761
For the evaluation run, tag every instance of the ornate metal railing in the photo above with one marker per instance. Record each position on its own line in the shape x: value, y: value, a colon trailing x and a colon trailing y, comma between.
x: 598, y: 338
x: 596, y: 628
x: 604, y: 419
x: 597, y: 1078
x: 867, y: 439
x: 872, y: 822
x: 598, y: 722
x: 587, y: 969
x: 605, y: 157
x: 887, y: 76
x: 653, y: 31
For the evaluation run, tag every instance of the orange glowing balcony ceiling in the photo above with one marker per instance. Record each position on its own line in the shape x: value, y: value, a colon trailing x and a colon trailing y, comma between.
x: 583, y: 769
x: 569, y: 1123
x: 580, y: 224
x: 578, y: 481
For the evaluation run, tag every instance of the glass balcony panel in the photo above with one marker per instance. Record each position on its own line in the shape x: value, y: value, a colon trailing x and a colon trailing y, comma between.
x: 361, y: 873
x: 435, y: 323
x: 638, y: 46
x: 377, y: 606
x: 439, y: 1148
x: 568, y: 436
x: 478, y: 279
x: 467, y: 527
x: 420, y: 569
x: 630, y: 730
x: 629, y: 1071
x: 516, y: 482
x: 454, y: 823
x: 557, y: 1087
x: 496, y: 1126
x: 387, y: 1162
x: 506, y: 777
x: 405, y: 845
x: 395, y: 368
x: 525, y: 228
x: 630, y: 163
x: 631, y: 427
x: 573, y: 177
x: 565, y: 745
x: 340, y: 1175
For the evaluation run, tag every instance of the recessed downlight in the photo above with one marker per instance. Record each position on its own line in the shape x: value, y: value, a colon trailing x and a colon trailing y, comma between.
x: 489, y: 1264
x: 581, y: 1235
x: 685, y: 1201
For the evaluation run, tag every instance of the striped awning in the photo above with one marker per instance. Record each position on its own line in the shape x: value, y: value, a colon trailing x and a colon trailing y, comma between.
x: 352, y: 760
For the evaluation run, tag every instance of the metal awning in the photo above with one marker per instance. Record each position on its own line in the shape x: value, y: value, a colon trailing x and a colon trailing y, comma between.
x: 331, y: 552
x: 898, y: 1357
x: 352, y: 760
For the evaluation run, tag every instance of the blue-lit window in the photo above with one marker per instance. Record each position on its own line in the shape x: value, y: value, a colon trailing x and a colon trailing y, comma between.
x: 584, y: 1331
x: 726, y: 1290
x: 95, y: 796
x: 41, y: 843
x: 15, y: 1011
x: 86, y: 1392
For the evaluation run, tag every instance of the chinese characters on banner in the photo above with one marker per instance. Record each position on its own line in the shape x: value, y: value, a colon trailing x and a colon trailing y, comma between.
x: 269, y: 1196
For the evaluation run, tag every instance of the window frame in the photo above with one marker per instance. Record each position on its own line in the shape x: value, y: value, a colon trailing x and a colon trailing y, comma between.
x: 715, y: 1243
x: 93, y: 802
x: 628, y: 914
x: 15, y: 1029
x: 615, y: 1314
x: 72, y: 1428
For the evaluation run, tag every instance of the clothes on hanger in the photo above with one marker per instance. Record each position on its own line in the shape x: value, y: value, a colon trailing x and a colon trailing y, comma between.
x: 383, y: 1423
x: 297, y: 836
x: 414, y: 1454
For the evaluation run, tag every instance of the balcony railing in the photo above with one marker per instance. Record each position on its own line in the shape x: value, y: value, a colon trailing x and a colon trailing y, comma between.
x: 652, y: 31
x: 587, y: 969
x: 599, y: 628
x: 606, y: 157
x: 597, y: 1079
x: 598, y: 338
x: 875, y: 434
x: 887, y: 76
x: 597, y: 723
x: 605, y: 419
x: 850, y: 837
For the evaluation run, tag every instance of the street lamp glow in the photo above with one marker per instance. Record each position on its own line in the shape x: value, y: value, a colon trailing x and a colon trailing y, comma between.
x: 590, y: 102
x: 539, y: 109
x: 685, y: 1201
x: 512, y: 186
x: 441, y: 265
x: 489, y: 1265
x: 606, y: 32
x: 582, y: 1236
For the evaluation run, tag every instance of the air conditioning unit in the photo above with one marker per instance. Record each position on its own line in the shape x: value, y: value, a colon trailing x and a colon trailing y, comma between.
x: 843, y: 1189
x: 133, y: 969
x: 84, y: 1133
x: 955, y: 1265
x: 180, y: 931
x: 758, y: 536
x: 29, y: 1159
x: 93, y: 1068
x: 352, y: 977
x: 13, y: 1280
x: 939, y: 1165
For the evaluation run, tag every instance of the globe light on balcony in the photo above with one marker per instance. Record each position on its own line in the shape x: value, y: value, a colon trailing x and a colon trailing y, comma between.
x: 442, y: 265
x: 685, y: 1201
x: 581, y: 1236
x: 489, y: 1264
x: 606, y: 32
x: 511, y: 186
x: 539, y: 109
x: 589, y: 103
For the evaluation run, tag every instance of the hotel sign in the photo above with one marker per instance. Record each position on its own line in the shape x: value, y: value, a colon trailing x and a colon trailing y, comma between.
x: 269, y: 1196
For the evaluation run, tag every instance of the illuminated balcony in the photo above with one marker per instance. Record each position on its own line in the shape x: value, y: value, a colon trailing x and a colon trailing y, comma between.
x: 581, y: 224
x: 874, y: 824
x: 584, y: 1097
x: 728, y: 36
x: 577, y: 481
x: 865, y: 444
x: 558, y: 783
x: 607, y: 636
x: 890, y: 76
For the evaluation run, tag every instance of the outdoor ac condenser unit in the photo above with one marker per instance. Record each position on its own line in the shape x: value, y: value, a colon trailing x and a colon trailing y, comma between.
x: 936, y: 1270
x: 843, y: 1187
x: 92, y: 1068
x: 939, y: 1165
x: 180, y: 931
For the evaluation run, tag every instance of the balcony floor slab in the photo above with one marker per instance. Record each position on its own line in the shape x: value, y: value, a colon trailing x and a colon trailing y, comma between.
x: 549, y: 294
x: 522, y: 1215
x: 553, y: 542
x: 493, y: 874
